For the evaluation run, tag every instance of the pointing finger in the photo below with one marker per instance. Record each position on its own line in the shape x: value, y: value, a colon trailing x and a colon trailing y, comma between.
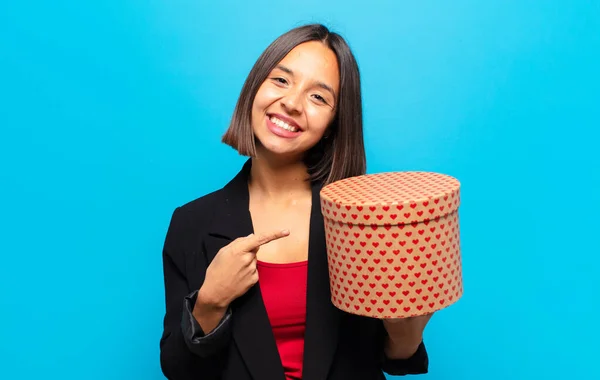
x: 253, y: 242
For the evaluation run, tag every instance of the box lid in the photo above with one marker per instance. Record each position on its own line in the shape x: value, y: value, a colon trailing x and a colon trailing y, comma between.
x: 391, y: 198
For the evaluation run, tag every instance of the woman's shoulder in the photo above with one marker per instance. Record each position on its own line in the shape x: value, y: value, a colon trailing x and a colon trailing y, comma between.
x: 196, y: 215
x: 188, y: 221
x: 196, y: 210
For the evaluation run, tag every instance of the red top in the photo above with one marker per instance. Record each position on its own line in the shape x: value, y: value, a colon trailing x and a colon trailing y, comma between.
x: 283, y: 288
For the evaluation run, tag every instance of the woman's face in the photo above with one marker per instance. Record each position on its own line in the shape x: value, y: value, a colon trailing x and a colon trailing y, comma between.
x: 297, y: 102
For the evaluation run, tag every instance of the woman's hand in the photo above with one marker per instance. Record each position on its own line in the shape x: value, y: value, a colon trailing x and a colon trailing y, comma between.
x: 233, y: 270
x: 404, y: 335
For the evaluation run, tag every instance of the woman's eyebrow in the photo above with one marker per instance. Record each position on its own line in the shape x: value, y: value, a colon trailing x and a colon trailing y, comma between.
x: 324, y: 86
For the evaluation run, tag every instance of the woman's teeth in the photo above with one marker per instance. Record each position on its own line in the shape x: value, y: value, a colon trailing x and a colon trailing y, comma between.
x: 283, y: 124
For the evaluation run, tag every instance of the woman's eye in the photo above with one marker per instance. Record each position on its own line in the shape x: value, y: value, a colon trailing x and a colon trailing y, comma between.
x: 280, y: 80
x: 320, y: 98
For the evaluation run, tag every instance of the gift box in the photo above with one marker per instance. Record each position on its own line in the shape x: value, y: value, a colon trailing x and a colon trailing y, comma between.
x: 393, y: 243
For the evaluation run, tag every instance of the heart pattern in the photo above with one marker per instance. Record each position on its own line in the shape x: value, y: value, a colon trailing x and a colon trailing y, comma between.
x: 386, y: 263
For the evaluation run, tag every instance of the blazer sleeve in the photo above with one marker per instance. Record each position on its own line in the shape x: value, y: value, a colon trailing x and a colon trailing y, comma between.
x: 200, y: 343
x: 417, y: 364
x: 185, y: 351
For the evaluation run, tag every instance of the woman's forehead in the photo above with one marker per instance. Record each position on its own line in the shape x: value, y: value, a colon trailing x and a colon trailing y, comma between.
x: 313, y: 61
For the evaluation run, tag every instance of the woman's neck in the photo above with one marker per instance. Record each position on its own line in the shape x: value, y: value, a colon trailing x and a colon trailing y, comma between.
x: 273, y: 181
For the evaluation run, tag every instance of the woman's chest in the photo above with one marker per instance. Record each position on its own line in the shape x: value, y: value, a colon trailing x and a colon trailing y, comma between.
x: 290, y: 249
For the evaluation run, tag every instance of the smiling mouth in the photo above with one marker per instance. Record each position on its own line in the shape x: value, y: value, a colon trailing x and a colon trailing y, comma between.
x: 282, y: 124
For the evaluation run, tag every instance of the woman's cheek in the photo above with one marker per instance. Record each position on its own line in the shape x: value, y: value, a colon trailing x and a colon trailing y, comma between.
x: 269, y: 95
x: 319, y: 119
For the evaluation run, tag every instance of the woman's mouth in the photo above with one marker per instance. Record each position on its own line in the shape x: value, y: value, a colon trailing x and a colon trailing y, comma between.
x: 283, y: 124
x: 282, y: 128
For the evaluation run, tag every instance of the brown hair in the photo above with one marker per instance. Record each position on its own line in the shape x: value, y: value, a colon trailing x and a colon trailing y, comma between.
x: 341, y: 154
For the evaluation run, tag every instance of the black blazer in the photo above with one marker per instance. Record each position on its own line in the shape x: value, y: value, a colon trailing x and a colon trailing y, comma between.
x: 338, y: 345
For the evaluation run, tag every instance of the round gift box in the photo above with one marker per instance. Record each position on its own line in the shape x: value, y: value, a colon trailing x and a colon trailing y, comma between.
x: 393, y: 243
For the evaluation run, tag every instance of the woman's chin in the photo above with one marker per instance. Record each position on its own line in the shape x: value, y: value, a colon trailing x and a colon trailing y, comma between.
x: 279, y: 151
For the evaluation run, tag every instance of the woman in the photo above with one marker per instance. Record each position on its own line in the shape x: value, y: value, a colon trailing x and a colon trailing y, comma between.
x: 299, y: 118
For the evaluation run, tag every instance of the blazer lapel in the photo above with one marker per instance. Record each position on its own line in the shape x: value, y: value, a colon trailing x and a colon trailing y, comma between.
x: 251, y: 329
x: 322, y: 318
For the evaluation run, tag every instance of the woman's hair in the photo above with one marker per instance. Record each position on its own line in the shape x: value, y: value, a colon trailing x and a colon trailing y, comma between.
x: 341, y: 154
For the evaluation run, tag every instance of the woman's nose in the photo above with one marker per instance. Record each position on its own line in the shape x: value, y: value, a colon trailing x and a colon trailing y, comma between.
x: 292, y: 102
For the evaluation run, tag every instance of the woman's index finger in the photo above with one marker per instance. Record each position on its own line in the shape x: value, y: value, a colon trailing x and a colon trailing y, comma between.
x: 255, y: 241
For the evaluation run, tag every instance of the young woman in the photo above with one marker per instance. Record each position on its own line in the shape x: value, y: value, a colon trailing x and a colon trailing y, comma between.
x: 245, y: 267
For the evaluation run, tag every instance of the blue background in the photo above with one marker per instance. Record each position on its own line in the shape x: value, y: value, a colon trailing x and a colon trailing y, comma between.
x: 106, y: 108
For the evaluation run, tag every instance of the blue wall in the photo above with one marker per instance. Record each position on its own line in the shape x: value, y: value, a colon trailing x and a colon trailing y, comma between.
x: 107, y: 107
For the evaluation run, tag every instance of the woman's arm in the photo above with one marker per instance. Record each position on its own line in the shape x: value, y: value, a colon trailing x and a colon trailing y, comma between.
x: 404, y: 350
x: 186, y: 352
